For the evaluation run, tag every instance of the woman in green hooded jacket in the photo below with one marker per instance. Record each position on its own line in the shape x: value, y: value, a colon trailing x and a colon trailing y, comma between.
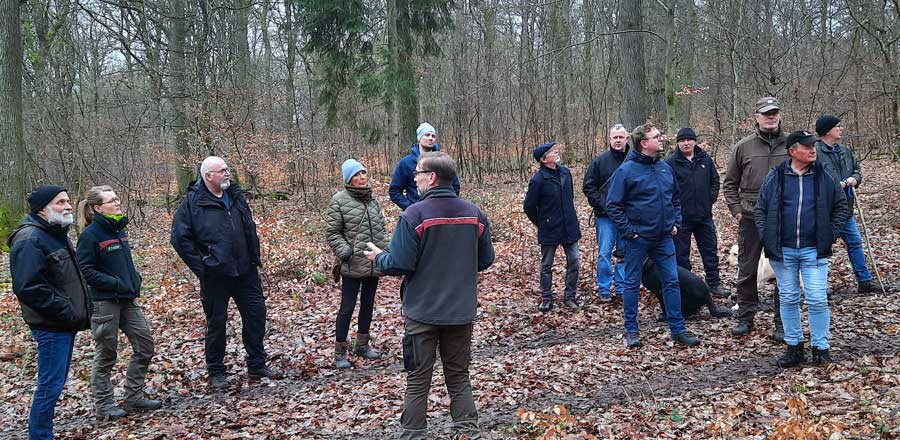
x: 353, y: 218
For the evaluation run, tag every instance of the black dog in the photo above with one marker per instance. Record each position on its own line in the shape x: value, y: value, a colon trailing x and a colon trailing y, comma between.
x: 694, y: 292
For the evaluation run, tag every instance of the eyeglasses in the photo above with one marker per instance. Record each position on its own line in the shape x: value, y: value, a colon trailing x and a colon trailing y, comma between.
x: 113, y: 200
x: 423, y: 171
x: 223, y: 171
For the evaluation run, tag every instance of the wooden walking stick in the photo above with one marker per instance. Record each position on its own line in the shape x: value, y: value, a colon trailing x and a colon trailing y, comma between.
x: 862, y: 219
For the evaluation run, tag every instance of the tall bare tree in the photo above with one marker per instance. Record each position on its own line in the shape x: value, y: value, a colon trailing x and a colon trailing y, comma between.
x: 13, y: 164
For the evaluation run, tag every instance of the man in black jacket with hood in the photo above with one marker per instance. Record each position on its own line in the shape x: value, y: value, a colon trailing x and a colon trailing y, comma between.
x: 53, y: 294
x: 698, y: 181
x: 214, y: 233
x: 595, y: 186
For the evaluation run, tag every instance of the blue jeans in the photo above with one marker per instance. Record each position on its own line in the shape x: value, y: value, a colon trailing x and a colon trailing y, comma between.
x: 850, y: 235
x: 54, y: 357
x: 803, y: 263
x: 662, y: 253
x: 607, y: 237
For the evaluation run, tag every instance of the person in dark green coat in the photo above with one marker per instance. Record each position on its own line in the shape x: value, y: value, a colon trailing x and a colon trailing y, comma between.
x: 354, y: 218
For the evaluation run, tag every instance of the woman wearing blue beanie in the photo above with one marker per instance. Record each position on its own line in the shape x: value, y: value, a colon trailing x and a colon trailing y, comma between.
x: 353, y: 218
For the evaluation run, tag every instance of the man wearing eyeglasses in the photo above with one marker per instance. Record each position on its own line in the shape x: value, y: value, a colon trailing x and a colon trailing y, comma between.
x: 644, y: 203
x: 214, y: 233
x: 751, y: 159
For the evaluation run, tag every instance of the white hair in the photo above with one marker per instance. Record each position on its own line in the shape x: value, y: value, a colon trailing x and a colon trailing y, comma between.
x: 209, y: 162
x: 617, y: 127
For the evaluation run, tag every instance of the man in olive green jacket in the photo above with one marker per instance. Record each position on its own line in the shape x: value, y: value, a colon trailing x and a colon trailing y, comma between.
x: 751, y: 159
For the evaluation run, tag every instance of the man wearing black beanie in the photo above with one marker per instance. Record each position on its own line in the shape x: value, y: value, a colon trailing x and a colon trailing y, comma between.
x: 840, y: 163
x: 53, y: 294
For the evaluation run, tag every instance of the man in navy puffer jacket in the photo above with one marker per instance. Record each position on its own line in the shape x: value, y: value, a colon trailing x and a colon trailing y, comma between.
x: 643, y: 202
x: 403, y: 190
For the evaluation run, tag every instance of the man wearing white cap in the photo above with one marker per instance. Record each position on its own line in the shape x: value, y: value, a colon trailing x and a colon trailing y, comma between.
x: 403, y: 190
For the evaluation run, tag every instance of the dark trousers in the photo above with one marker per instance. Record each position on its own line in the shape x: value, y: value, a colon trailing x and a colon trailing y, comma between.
x: 350, y: 289
x: 108, y: 318
x: 704, y: 231
x: 246, y: 290
x: 750, y: 247
x: 54, y: 351
x: 548, y: 251
x: 455, y: 345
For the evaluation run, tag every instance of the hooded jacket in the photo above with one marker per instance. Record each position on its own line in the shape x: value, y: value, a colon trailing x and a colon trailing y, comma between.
x: 643, y: 198
x: 353, y: 218
x: 46, y: 280
x: 104, y: 256
x: 213, y: 239
x: 550, y: 205
x: 751, y: 159
x: 403, y: 191
x: 698, y: 182
x: 828, y: 202
x: 596, y: 179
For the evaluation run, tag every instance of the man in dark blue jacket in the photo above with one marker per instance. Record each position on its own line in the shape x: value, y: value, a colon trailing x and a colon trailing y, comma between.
x: 799, y: 215
x: 53, y: 294
x: 644, y: 203
x: 839, y: 162
x: 403, y: 190
x: 698, y: 182
x: 550, y: 205
x: 214, y: 233
x: 596, y: 184
x: 439, y: 246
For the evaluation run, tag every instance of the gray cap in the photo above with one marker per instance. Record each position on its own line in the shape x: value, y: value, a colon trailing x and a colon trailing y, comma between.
x: 766, y: 104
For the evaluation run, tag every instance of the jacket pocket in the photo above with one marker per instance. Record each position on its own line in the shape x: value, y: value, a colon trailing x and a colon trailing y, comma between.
x: 409, y: 353
x: 103, y: 328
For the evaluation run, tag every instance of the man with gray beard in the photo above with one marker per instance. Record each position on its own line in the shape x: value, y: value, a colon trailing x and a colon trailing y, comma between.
x: 53, y: 294
x: 214, y: 233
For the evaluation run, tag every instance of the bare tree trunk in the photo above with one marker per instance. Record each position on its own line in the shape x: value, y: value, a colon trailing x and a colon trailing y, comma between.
x: 12, y: 138
x: 179, y: 93
x: 634, y: 88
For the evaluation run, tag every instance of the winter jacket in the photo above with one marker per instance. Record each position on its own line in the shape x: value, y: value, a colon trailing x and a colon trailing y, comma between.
x: 51, y: 289
x: 404, y: 179
x: 353, y: 218
x: 439, y: 245
x: 698, y: 182
x: 104, y: 256
x: 840, y: 163
x: 751, y: 159
x: 829, y: 204
x: 596, y: 178
x: 550, y: 205
x: 212, y: 239
x: 644, y: 198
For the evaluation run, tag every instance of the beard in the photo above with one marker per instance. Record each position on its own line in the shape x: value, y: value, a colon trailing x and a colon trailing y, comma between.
x: 225, y: 184
x: 64, y: 219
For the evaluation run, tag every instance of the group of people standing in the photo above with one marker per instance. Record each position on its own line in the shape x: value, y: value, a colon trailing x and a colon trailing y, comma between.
x: 790, y: 195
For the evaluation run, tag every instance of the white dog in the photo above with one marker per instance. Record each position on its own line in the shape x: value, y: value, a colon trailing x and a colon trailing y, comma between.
x: 764, y: 271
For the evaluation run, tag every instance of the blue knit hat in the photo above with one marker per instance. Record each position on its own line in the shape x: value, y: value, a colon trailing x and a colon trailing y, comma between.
x: 542, y: 149
x: 349, y: 169
x: 424, y: 128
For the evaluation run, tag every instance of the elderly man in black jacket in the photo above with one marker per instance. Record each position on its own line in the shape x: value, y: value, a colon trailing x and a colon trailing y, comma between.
x: 53, y: 294
x: 595, y: 187
x: 214, y: 233
x: 698, y: 181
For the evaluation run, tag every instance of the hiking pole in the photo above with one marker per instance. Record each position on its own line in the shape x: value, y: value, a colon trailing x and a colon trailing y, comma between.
x: 862, y: 219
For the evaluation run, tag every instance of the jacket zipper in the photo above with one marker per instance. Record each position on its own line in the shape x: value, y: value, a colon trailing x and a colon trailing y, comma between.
x: 371, y: 236
x: 799, y: 208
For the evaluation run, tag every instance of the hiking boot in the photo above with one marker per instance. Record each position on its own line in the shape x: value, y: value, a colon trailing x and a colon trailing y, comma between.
x: 793, y: 357
x: 662, y: 317
x: 719, y: 292
x: 545, y: 306
x: 340, y: 355
x: 264, y: 372
x: 686, y: 338
x: 141, y: 405
x: 605, y: 298
x: 219, y: 382
x: 362, y: 348
x: 778, y: 333
x: 111, y: 414
x: 821, y: 356
x: 742, y: 328
x: 571, y: 303
x: 632, y: 339
x: 867, y: 287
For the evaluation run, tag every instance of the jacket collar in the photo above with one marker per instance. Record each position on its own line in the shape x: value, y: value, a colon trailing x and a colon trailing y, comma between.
x: 415, y: 149
x: 642, y: 158
x: 234, y: 192
x: 440, y: 192
x: 110, y: 224
x: 35, y: 221
x: 827, y: 148
x: 621, y: 155
x: 698, y: 154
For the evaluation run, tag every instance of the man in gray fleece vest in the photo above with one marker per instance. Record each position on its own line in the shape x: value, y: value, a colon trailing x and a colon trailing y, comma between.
x: 439, y: 245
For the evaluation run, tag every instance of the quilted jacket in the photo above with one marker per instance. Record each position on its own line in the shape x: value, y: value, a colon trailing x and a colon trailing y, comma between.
x: 352, y: 219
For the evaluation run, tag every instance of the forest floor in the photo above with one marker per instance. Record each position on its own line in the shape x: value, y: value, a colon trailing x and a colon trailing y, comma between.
x: 564, y: 374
